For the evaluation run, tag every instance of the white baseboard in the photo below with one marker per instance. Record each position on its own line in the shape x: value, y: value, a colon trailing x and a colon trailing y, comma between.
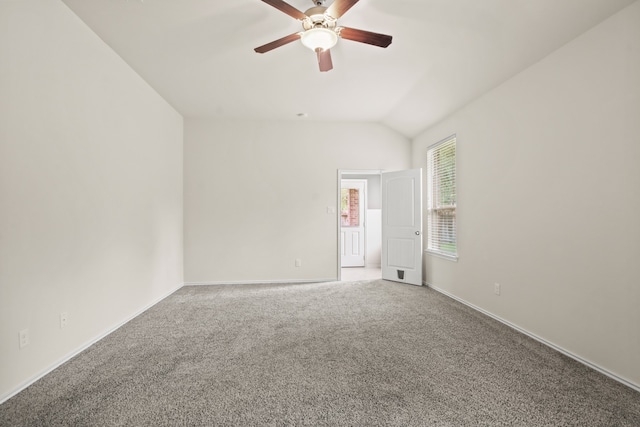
x: 83, y: 347
x: 258, y: 282
x: 539, y: 339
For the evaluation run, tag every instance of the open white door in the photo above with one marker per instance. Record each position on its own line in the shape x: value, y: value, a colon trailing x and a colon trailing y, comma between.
x: 402, y: 226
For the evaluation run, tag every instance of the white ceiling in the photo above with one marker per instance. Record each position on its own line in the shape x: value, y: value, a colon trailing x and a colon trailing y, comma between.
x: 198, y: 54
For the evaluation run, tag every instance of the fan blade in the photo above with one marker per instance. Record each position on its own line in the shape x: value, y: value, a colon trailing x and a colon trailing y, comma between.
x: 324, y: 59
x: 286, y: 8
x: 363, y: 36
x: 340, y: 7
x: 277, y: 43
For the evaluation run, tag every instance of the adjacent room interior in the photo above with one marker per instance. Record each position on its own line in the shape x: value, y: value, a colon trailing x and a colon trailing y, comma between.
x: 146, y: 149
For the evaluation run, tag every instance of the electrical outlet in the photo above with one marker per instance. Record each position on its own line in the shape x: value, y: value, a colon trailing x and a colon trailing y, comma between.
x: 496, y: 288
x: 64, y: 319
x: 24, y: 338
x: 298, y: 262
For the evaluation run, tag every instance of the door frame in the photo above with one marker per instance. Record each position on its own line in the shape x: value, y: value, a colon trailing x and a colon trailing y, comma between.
x: 344, y: 174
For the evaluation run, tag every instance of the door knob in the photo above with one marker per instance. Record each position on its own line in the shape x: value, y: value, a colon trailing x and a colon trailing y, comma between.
x: 417, y: 233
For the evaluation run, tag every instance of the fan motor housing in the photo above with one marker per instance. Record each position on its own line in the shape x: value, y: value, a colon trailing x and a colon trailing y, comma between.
x: 316, y: 18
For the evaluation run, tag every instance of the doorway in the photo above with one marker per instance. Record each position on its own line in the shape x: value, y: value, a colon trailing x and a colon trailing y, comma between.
x: 393, y: 249
x: 359, y: 225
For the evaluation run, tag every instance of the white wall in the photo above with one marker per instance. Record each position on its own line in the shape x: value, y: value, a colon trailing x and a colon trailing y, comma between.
x: 256, y: 195
x: 549, y: 198
x: 90, y: 189
x: 374, y: 238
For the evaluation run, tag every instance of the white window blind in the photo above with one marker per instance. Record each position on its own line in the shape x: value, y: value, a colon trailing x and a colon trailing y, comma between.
x: 441, y: 198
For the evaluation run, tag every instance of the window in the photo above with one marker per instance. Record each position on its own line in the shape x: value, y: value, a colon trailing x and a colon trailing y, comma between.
x: 441, y: 198
x: 350, y: 207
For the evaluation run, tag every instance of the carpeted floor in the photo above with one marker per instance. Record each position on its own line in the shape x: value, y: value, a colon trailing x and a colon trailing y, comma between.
x: 370, y: 353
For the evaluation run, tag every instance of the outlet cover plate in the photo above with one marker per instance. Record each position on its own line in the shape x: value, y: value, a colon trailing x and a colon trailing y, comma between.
x: 64, y: 319
x: 24, y: 338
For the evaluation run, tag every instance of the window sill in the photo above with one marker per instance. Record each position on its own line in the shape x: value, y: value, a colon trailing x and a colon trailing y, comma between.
x: 453, y: 258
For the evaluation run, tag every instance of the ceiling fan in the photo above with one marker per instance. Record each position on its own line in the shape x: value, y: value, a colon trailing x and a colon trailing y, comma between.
x: 321, y: 31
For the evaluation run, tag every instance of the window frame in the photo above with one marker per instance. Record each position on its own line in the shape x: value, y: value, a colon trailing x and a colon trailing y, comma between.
x: 434, y: 195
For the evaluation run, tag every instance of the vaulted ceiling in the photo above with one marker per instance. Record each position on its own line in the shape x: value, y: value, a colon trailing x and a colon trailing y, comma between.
x: 198, y: 54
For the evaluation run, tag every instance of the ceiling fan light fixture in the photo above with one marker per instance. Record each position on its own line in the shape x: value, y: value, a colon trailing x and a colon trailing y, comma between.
x: 319, y: 38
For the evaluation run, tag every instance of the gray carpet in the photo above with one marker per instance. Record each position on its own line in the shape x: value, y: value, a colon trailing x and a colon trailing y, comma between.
x: 371, y: 353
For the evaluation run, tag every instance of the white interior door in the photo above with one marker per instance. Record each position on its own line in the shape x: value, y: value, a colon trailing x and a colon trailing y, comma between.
x: 352, y: 222
x: 402, y: 226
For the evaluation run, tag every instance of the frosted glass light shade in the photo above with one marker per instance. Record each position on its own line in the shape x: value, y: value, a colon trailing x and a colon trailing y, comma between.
x: 319, y: 38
